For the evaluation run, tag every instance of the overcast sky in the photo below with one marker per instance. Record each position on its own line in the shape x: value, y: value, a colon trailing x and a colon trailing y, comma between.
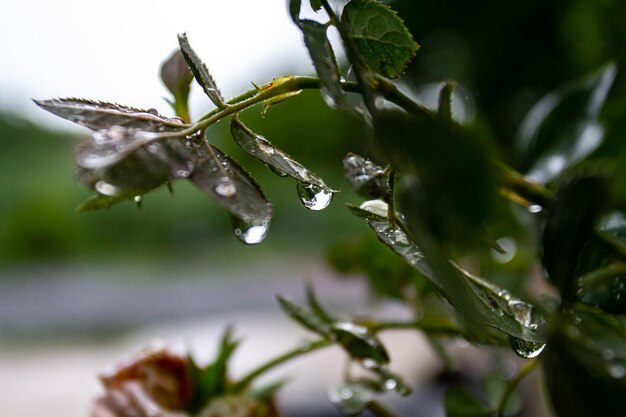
x: 111, y: 50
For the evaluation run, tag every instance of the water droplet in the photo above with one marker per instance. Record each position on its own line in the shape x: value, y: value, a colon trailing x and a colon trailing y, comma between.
x: 350, y: 399
x: 152, y: 111
x: 390, y: 384
x: 616, y: 370
x: 525, y: 349
x: 182, y: 173
x: 510, y: 250
x: 379, y: 103
x: 265, y: 146
x: 370, y: 363
x: 138, y: 200
x: 105, y: 188
x: 250, y: 234
x: 313, y: 197
x: 377, y: 207
x: 225, y: 187
x: 535, y: 208
x: 276, y: 171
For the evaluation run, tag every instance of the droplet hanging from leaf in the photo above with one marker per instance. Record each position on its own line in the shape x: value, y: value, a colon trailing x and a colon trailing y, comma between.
x: 313, y: 197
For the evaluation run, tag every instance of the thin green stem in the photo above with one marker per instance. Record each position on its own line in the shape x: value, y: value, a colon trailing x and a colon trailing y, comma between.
x: 380, y: 410
x: 513, y: 383
x: 279, y: 360
x: 432, y: 327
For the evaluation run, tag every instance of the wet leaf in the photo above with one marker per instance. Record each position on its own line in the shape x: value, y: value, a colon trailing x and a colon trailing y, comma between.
x: 307, y: 318
x: 212, y: 380
x: 569, y: 227
x: 224, y: 180
x: 324, y: 61
x: 460, y: 402
x: 585, y: 365
x: 371, y: 209
x: 360, y: 343
x: 99, y: 201
x: 201, y: 72
x: 351, y: 399
x: 379, y: 36
x: 98, y: 115
x: 562, y: 128
x: 281, y: 163
x: 368, y: 179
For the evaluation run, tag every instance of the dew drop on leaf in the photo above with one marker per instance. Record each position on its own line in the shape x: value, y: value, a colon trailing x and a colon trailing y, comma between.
x: 250, y: 234
x: 225, y: 187
x: 525, y: 349
x: 313, y: 197
x: 105, y: 188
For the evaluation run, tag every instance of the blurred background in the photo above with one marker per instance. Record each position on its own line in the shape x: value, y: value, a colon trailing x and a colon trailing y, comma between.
x: 78, y: 291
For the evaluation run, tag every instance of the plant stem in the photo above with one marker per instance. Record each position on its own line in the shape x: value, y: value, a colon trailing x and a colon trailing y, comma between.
x: 380, y: 410
x: 513, y: 383
x: 285, y: 357
x: 432, y: 327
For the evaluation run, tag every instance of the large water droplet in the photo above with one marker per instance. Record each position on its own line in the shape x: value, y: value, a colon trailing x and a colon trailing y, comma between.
x: 250, y: 234
x: 525, y: 349
x: 225, y: 187
x: 313, y: 197
x: 378, y: 207
x: 390, y: 384
x: 350, y: 399
x: 509, y: 247
x: 616, y: 371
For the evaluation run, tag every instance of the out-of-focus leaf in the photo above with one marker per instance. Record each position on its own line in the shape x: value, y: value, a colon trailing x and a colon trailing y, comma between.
x: 308, y: 319
x: 360, y: 343
x: 585, y: 365
x: 212, y: 380
x: 281, y: 163
x: 223, y: 179
x: 570, y: 226
x: 351, y: 399
x: 324, y: 61
x: 563, y: 128
x: 456, y: 185
x: 495, y: 386
x: 379, y: 36
x: 201, y: 72
x: 315, y: 305
x: 368, y: 179
x: 177, y: 77
x: 97, y: 115
x: 460, y: 402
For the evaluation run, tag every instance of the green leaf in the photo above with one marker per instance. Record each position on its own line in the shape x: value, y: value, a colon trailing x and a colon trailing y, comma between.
x: 99, y: 201
x: 585, y: 365
x: 379, y: 36
x: 562, y: 128
x: 456, y: 191
x: 212, y: 381
x: 324, y: 61
x: 570, y: 226
x: 281, y: 163
x: 98, y: 115
x: 294, y: 10
x: 360, y: 343
x: 315, y: 305
x: 201, y: 72
x: 460, y: 402
x: 307, y: 318
x: 236, y: 191
x: 368, y: 179
x: 316, y: 4
x: 445, y: 100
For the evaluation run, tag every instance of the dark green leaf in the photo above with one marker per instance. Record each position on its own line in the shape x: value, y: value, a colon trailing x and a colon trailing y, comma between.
x: 99, y: 201
x: 308, y: 319
x: 456, y: 190
x: 315, y: 305
x: 294, y: 10
x: 462, y: 403
x: 360, y: 343
x: 585, y: 365
x: 201, y: 72
x: 563, y: 128
x: 316, y: 4
x: 97, y: 115
x: 212, y: 381
x: 223, y: 179
x: 445, y: 100
x: 368, y: 179
x: 379, y: 35
x: 281, y: 163
x: 324, y: 61
x: 570, y: 226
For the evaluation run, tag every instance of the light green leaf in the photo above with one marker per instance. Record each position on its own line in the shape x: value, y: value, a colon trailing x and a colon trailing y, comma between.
x: 98, y: 115
x: 324, y: 61
x: 562, y: 128
x: 379, y: 36
x: 201, y: 72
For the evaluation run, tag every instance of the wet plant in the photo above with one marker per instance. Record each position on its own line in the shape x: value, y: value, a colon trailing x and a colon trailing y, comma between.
x: 457, y: 212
